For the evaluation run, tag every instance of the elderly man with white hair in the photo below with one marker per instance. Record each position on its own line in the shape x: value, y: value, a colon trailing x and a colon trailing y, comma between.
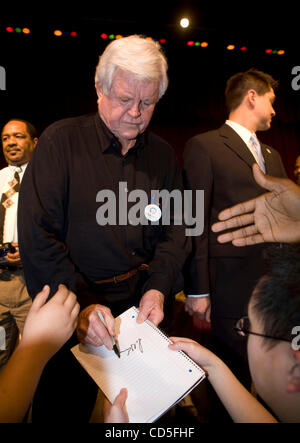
x: 70, y: 235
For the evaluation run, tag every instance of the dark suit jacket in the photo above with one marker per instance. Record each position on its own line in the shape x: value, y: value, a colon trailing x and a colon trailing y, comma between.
x: 220, y: 163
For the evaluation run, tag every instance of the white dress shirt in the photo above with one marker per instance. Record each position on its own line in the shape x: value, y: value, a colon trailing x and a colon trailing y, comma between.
x: 10, y: 227
x: 245, y: 135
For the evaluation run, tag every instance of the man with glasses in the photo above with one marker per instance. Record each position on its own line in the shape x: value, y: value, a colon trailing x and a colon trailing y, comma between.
x: 273, y: 330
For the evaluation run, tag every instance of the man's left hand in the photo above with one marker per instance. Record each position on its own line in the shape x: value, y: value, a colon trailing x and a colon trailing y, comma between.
x: 151, y: 307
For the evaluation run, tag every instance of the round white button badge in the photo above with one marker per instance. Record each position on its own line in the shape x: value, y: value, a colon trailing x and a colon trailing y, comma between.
x: 152, y: 212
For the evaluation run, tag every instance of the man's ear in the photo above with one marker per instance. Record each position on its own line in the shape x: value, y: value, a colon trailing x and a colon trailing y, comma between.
x: 99, y: 90
x: 251, y: 97
x: 293, y: 385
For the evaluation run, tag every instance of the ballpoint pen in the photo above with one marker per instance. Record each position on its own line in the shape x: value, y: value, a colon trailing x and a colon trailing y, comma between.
x: 115, y: 348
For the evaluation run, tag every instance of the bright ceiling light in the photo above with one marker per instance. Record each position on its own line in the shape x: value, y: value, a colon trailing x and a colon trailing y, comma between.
x: 184, y: 22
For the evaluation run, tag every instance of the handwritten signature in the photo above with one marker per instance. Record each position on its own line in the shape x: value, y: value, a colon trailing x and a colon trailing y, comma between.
x: 135, y: 346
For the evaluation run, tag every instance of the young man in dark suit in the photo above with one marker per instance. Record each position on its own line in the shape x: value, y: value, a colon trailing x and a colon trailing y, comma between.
x: 221, y: 277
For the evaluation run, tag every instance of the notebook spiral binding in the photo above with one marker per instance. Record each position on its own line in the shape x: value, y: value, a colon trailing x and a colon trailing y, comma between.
x: 165, y: 336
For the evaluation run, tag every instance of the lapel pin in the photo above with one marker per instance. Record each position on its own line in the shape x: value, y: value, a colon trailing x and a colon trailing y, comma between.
x: 268, y: 150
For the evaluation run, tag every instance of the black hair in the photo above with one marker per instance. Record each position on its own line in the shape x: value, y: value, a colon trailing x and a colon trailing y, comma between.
x: 276, y: 297
x: 239, y: 84
x: 29, y: 126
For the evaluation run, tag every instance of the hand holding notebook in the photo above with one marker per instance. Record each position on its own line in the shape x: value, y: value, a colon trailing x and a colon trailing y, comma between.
x: 156, y: 377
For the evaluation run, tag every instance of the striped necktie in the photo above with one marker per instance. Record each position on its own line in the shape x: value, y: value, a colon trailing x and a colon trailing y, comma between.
x: 257, y: 152
x: 7, y: 202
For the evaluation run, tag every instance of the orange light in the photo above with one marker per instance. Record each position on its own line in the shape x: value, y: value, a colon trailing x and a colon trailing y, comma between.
x: 280, y: 52
x: 204, y: 44
x: 230, y: 47
x: 26, y: 31
x: 57, y: 32
x: 119, y: 36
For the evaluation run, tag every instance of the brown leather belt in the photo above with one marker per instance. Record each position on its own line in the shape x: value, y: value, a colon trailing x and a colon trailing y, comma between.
x: 122, y: 277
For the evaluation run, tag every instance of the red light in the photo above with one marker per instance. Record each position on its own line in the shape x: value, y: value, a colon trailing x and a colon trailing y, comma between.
x: 190, y: 43
x: 243, y: 48
x: 268, y: 51
x: 73, y: 34
x: 162, y: 40
x: 10, y: 29
x: 104, y: 36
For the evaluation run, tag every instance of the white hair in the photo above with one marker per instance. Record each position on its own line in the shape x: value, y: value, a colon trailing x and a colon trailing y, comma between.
x: 137, y: 55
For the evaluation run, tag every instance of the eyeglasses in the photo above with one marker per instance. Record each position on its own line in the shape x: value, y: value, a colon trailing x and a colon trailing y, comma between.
x: 243, y: 328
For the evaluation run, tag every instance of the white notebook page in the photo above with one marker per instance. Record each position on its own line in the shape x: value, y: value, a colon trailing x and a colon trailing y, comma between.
x: 155, y: 376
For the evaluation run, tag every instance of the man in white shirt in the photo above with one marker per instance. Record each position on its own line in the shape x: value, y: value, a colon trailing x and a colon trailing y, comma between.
x: 18, y: 140
x: 221, y: 277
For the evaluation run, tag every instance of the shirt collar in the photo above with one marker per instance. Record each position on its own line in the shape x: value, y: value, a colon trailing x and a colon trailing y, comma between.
x: 243, y: 132
x: 14, y: 167
x: 109, y: 141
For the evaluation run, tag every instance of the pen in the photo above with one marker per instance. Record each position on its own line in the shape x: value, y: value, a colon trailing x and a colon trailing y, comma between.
x: 115, y: 348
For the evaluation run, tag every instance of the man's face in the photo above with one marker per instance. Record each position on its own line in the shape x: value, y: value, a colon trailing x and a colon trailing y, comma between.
x: 297, y: 170
x: 17, y: 144
x: 128, y: 108
x: 264, y: 110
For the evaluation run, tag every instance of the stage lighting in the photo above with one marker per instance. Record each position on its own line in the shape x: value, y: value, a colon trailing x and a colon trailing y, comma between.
x: 57, y: 32
x: 230, y: 47
x: 184, y: 22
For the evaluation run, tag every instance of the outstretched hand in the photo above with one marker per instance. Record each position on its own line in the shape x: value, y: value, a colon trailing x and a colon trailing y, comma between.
x: 50, y: 324
x: 271, y: 217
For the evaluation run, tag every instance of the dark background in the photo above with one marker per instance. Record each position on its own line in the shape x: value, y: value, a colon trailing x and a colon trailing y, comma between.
x: 49, y: 78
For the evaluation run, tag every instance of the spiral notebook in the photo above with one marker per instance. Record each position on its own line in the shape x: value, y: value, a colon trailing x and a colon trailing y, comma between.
x: 155, y: 376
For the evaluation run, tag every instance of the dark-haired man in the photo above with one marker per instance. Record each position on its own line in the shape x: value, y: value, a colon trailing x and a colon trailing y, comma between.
x: 19, y: 139
x: 222, y: 277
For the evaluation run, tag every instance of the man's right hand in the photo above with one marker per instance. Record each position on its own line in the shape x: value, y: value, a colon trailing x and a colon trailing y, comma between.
x: 199, y: 306
x: 91, y: 330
